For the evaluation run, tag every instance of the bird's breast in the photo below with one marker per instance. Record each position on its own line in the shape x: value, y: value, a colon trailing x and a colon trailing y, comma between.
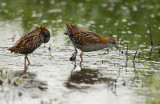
x: 93, y: 47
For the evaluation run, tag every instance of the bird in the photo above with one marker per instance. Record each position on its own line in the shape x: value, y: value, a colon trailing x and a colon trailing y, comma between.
x: 29, y: 42
x: 87, y: 41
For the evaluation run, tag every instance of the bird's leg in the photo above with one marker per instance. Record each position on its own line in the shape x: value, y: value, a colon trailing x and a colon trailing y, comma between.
x: 75, y: 65
x: 81, y: 56
x: 81, y: 59
x: 73, y: 58
x: 28, y: 60
x: 25, y: 68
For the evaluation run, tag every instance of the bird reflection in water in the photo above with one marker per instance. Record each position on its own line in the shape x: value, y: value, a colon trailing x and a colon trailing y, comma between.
x: 87, y: 77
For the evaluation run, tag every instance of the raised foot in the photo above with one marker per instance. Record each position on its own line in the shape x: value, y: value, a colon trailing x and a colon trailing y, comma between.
x: 73, y: 58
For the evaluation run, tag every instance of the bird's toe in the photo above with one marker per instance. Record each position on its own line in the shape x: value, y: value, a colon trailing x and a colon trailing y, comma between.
x: 73, y: 58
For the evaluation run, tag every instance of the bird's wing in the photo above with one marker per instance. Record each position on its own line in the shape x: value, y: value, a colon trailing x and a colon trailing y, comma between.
x: 80, y: 36
x: 28, y: 43
x: 86, y: 37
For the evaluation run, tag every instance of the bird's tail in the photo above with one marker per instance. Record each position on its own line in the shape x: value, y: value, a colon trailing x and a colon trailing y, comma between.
x: 11, y: 49
x: 74, y: 27
x: 71, y: 29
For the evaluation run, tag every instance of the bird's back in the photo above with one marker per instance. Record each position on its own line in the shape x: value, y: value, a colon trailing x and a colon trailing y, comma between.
x: 82, y: 39
x: 28, y: 42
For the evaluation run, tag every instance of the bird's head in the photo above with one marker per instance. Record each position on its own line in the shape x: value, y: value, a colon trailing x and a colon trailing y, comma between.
x: 111, y: 42
x: 45, y: 34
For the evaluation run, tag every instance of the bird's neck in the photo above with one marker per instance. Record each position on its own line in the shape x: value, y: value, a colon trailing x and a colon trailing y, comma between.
x: 105, y: 43
x: 104, y: 40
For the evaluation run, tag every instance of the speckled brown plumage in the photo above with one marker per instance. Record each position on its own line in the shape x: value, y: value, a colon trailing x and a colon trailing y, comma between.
x: 30, y: 42
x: 87, y: 41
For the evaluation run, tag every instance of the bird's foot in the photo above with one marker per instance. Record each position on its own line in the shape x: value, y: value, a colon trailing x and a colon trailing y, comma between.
x: 73, y: 58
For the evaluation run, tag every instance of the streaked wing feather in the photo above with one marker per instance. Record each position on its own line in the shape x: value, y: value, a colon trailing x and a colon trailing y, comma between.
x: 86, y: 37
x: 80, y: 36
x: 29, y: 43
x: 92, y: 34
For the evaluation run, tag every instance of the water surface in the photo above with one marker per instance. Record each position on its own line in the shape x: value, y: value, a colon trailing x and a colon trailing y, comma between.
x: 104, y: 76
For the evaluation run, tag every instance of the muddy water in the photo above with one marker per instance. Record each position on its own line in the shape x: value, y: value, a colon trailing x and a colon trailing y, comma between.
x: 103, y: 77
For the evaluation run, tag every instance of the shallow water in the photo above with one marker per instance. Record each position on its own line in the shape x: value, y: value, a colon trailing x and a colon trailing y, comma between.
x: 104, y: 76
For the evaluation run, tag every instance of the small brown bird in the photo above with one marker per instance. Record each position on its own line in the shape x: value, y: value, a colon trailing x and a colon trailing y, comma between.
x: 87, y: 41
x: 30, y: 41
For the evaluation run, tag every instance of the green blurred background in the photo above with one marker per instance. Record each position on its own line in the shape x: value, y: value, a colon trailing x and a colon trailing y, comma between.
x: 128, y: 19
